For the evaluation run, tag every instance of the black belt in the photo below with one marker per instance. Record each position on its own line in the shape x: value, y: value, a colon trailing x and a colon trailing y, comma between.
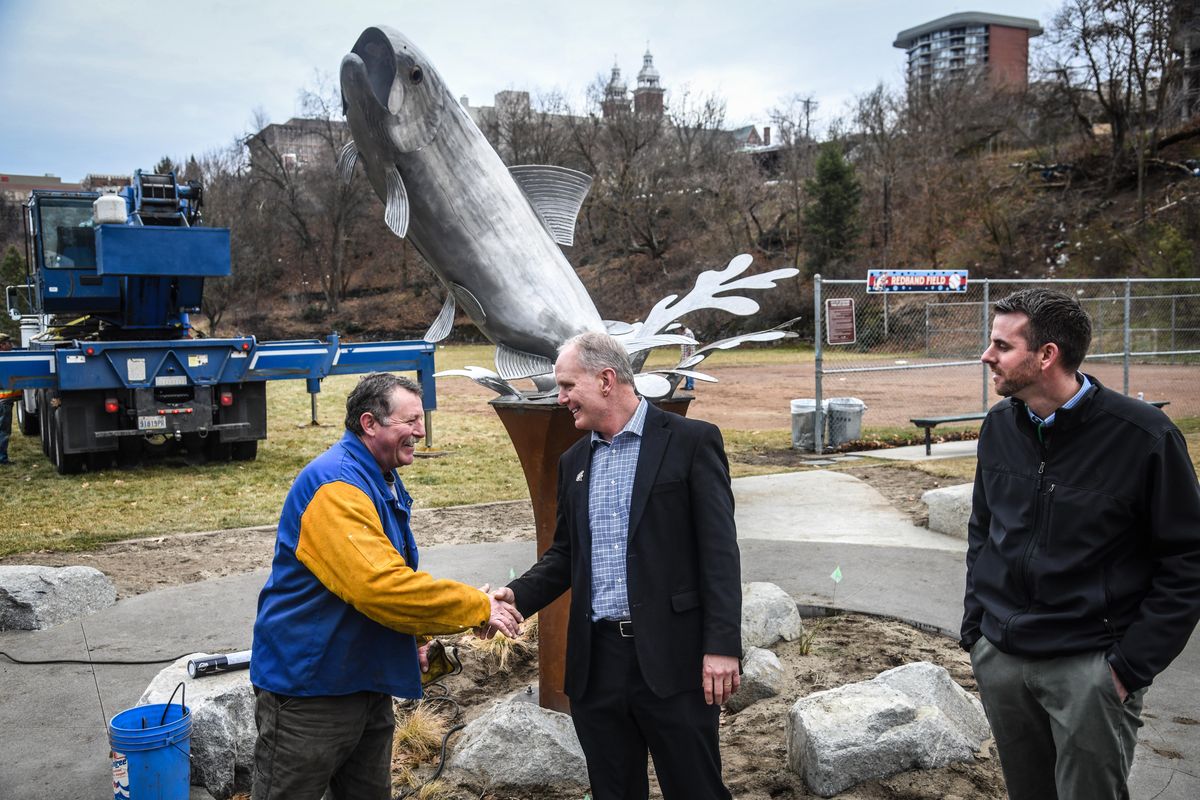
x: 621, y: 627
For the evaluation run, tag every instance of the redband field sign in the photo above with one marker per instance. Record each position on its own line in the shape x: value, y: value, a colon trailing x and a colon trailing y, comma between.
x: 916, y: 280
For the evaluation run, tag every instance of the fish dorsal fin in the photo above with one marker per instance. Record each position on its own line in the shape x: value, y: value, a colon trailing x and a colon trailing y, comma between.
x: 347, y: 158
x: 396, y: 213
x: 469, y: 302
x: 440, y: 328
x: 556, y: 194
x: 516, y: 364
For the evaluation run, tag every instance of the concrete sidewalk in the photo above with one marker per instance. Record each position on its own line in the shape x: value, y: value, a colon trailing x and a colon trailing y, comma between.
x: 793, y: 530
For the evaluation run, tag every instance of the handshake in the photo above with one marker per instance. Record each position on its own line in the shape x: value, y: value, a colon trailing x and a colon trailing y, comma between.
x: 504, y: 615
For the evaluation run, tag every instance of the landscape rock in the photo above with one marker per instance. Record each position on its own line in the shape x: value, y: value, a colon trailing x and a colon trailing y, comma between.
x: 908, y: 717
x: 768, y: 615
x: 928, y: 684
x: 949, y: 509
x: 223, y: 730
x: 762, y: 677
x: 35, y: 598
x: 521, y: 745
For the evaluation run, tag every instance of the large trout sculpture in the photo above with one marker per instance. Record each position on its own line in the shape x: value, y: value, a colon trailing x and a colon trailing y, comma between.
x: 492, y: 233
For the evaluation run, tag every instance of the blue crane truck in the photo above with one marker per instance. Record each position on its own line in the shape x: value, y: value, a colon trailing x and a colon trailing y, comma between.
x: 110, y: 366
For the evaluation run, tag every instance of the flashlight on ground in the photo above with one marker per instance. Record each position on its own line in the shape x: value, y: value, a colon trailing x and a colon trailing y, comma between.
x: 205, y: 665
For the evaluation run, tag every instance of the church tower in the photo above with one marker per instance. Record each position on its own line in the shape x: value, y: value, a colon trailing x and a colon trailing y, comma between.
x: 616, y: 94
x: 648, y: 97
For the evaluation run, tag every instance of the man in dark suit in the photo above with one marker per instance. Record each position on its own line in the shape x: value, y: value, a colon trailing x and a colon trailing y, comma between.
x: 646, y: 539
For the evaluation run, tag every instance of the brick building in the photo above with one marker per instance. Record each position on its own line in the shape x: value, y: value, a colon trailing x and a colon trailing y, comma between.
x: 968, y: 43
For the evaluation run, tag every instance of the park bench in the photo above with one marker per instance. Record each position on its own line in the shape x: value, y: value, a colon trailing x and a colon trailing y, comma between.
x: 929, y: 423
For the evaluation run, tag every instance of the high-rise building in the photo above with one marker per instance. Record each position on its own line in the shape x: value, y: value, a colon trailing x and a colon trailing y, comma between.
x: 968, y: 43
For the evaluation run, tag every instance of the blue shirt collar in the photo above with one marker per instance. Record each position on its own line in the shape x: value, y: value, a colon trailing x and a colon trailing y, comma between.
x: 1048, y: 421
x: 635, y: 425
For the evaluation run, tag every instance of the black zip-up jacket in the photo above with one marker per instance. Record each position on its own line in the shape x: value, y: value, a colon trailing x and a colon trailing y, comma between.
x: 1086, y: 539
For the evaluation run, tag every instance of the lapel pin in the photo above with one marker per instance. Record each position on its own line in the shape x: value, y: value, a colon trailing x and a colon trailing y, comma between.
x: 579, y: 477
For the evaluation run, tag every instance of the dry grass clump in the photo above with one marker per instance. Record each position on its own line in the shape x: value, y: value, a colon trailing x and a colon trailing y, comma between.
x: 419, y: 732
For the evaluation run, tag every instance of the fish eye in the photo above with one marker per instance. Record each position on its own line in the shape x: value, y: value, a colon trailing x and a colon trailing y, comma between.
x: 416, y: 75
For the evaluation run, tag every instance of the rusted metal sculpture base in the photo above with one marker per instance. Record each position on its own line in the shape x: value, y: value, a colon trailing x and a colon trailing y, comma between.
x: 541, y: 431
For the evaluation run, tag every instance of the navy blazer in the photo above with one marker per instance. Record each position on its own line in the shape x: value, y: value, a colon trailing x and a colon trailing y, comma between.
x: 682, y: 561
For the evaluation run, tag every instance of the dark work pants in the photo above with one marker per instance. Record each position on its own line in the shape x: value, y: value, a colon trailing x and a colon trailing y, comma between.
x: 618, y: 718
x: 309, y: 744
x: 1060, y: 728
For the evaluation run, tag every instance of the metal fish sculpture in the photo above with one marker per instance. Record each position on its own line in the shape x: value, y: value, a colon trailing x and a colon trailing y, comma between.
x: 491, y: 233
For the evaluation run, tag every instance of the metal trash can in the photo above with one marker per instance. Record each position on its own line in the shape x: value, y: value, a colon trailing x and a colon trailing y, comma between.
x: 804, y: 425
x: 845, y: 419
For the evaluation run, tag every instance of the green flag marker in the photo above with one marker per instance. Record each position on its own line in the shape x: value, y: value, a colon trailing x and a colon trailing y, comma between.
x: 837, y: 574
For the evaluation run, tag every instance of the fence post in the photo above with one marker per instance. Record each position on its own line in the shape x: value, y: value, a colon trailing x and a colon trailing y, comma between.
x: 987, y: 340
x: 1128, y: 333
x: 818, y: 418
x: 927, y: 353
x: 1173, y: 299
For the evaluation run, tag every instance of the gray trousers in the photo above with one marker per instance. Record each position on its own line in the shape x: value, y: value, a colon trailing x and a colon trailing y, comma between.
x: 1060, y: 728
x: 307, y: 745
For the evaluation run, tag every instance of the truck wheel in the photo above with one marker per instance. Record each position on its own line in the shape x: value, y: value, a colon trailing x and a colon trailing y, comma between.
x: 27, y: 420
x: 245, y: 451
x: 64, y: 463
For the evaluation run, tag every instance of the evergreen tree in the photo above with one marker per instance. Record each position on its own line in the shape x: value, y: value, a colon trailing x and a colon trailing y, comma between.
x: 831, y: 218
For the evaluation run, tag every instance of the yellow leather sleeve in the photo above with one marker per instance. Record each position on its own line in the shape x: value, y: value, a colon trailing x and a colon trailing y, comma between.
x: 343, y: 544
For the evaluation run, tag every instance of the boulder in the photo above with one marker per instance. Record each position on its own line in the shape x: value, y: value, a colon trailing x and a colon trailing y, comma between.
x: 35, y: 598
x: 768, y: 615
x: 908, y: 717
x: 928, y: 684
x: 223, y: 730
x: 762, y: 677
x: 521, y: 745
x: 949, y: 509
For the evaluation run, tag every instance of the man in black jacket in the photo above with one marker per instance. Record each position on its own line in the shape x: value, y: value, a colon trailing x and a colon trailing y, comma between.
x: 1083, y: 560
x: 645, y: 539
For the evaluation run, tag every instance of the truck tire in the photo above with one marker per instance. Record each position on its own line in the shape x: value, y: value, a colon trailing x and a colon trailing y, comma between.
x: 64, y: 463
x: 27, y: 420
x: 245, y: 451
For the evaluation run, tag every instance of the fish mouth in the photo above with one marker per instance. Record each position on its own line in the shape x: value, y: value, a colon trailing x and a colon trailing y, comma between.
x: 374, y: 51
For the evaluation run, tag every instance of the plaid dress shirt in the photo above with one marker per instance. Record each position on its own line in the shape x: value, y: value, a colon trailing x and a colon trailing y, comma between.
x: 610, y: 488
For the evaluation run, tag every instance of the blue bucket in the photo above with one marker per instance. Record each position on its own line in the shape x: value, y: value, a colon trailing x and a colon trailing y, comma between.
x: 151, y: 752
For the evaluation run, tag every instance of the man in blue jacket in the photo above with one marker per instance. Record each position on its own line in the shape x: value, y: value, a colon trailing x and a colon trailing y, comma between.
x: 1083, y: 559
x: 342, y: 617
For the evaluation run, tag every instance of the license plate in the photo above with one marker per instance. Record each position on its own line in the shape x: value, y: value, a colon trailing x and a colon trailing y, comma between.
x: 152, y: 423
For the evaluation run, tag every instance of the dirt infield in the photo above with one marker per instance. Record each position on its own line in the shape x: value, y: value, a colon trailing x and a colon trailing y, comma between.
x: 757, y: 397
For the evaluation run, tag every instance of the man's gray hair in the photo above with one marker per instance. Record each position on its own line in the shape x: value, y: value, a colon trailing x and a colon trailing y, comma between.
x: 599, y: 351
x: 373, y: 395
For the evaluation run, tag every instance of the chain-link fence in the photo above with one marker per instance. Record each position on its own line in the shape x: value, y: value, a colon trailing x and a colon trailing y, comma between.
x: 916, y: 354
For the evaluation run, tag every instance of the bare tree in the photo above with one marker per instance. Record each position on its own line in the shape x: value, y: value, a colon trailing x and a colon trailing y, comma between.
x: 322, y: 215
x: 1119, y: 51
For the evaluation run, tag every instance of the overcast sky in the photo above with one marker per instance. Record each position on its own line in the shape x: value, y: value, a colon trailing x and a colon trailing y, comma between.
x: 107, y: 87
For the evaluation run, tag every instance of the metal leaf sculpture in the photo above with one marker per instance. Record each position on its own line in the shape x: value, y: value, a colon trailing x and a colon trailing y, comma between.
x: 484, y: 377
x: 710, y: 293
